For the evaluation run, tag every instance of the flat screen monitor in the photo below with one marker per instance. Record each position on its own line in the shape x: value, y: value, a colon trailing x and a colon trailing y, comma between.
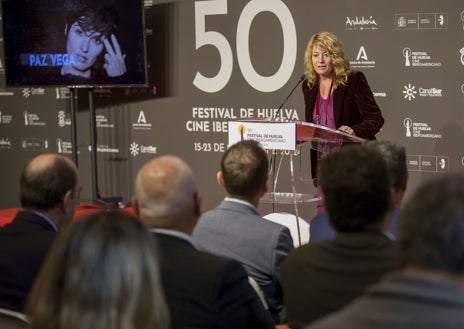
x: 74, y: 43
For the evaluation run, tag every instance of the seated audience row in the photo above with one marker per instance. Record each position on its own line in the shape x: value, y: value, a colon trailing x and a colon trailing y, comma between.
x: 193, y: 270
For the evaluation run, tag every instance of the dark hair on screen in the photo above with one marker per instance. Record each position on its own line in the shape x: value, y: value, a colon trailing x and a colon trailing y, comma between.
x: 99, y: 19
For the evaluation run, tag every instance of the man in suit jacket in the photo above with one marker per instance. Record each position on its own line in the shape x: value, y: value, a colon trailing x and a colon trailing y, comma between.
x: 202, y: 290
x: 428, y: 291
x: 322, y: 277
x: 235, y: 229
x: 49, y: 193
x: 395, y: 157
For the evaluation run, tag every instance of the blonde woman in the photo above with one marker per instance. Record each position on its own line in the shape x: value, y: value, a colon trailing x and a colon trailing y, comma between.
x: 336, y: 96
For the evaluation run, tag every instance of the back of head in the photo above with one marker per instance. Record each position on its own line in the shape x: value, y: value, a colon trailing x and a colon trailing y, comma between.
x: 245, y: 169
x: 166, y: 194
x: 431, y: 226
x: 355, y: 186
x: 395, y: 157
x: 101, y: 273
x: 44, y: 181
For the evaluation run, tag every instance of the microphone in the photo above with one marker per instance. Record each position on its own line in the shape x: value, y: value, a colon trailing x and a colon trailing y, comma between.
x: 302, y: 77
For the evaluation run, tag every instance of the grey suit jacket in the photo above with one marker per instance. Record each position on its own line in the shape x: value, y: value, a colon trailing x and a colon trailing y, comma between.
x: 237, y: 231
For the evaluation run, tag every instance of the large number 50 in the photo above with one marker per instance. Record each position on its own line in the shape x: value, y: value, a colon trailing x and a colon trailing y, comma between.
x: 216, y: 39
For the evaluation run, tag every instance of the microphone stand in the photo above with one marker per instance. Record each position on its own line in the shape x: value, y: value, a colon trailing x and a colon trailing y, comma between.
x: 273, y: 155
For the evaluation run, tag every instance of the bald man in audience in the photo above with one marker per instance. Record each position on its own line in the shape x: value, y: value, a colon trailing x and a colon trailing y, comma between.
x: 202, y: 290
x: 49, y: 192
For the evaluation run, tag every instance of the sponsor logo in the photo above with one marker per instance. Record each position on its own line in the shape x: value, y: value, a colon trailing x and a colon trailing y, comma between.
x: 102, y: 122
x: 5, y: 119
x: 32, y: 119
x: 62, y: 93
x: 461, y: 51
x: 421, y: 21
x: 418, y: 58
x: 6, y: 92
x: 102, y: 92
x: 63, y: 147
x: 104, y: 149
x: 27, y: 92
x: 148, y: 3
x: 419, y: 130
x: 428, y: 163
x: 5, y: 143
x: 136, y: 149
x: 362, y: 61
x: 62, y: 120
x: 361, y: 23
x: 34, y: 144
x: 410, y: 92
x: 142, y: 123
x: 462, y: 18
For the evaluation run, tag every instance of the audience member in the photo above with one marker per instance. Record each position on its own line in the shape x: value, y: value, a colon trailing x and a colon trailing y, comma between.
x: 395, y: 156
x: 235, y: 228
x: 428, y: 291
x: 321, y: 277
x: 49, y: 192
x: 202, y: 290
x: 101, y: 273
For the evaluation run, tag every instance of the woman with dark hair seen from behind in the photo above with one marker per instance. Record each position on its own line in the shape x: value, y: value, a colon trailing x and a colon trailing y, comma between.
x: 336, y: 96
x: 101, y: 273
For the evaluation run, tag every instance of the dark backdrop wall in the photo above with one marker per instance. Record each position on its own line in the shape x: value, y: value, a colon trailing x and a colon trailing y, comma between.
x: 214, y: 61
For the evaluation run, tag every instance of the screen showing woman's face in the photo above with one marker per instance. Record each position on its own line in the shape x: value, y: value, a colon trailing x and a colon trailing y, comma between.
x: 84, y: 48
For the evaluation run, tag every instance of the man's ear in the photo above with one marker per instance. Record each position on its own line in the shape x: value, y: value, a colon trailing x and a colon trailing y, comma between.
x: 197, y: 203
x: 220, y: 179
x: 135, y: 206
x: 66, y: 203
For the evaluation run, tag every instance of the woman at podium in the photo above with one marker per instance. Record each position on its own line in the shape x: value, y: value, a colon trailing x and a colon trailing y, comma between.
x: 336, y: 96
